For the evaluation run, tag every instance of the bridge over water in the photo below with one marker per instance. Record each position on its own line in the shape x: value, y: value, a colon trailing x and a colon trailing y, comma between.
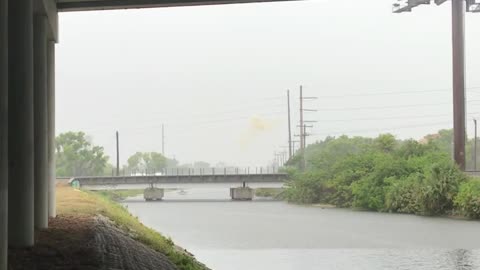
x: 279, y: 178
x: 240, y: 184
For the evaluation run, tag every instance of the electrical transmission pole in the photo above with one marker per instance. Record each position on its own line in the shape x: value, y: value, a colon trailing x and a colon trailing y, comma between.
x: 458, y: 38
x: 305, y: 137
x: 303, y: 127
x: 301, y: 119
x: 475, y: 147
x: 118, y: 155
x: 458, y: 57
x: 163, y: 140
x: 290, y: 151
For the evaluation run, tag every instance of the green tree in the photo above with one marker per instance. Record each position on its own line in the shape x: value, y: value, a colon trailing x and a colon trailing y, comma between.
x: 77, y: 156
x: 385, y: 142
x: 150, y: 161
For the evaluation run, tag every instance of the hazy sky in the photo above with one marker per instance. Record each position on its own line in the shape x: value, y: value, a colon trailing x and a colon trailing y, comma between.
x: 217, y: 76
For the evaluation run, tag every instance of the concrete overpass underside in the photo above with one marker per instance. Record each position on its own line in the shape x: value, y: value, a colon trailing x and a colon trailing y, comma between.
x: 83, y: 5
x: 28, y: 34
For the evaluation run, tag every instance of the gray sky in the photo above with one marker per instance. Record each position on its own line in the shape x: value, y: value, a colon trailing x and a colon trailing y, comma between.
x: 217, y: 75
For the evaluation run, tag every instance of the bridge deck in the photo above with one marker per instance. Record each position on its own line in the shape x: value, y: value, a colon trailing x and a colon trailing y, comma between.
x: 181, y: 179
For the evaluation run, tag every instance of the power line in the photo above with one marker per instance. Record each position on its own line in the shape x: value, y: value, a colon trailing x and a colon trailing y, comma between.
x: 389, y: 107
x: 393, y: 93
x: 386, y: 118
x: 381, y: 129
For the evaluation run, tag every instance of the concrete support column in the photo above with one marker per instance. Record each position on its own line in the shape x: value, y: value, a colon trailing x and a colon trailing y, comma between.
x: 40, y: 121
x: 20, y: 133
x: 3, y: 134
x: 153, y: 194
x: 52, y: 176
x: 242, y: 193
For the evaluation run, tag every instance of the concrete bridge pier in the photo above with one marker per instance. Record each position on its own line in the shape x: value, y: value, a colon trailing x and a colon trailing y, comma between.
x: 153, y: 194
x: 242, y: 193
x: 40, y: 121
x: 20, y: 136
x: 3, y: 134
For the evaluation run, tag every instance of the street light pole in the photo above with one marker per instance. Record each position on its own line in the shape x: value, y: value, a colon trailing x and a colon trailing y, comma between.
x: 459, y: 7
x: 458, y: 57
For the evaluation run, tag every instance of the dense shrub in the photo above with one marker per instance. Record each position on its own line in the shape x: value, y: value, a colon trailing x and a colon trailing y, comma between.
x: 468, y: 199
x: 402, y: 194
x: 439, y: 188
x: 306, y: 189
x: 381, y: 174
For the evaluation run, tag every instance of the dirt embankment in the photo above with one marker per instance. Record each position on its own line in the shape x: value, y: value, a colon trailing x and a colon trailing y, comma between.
x: 84, y: 237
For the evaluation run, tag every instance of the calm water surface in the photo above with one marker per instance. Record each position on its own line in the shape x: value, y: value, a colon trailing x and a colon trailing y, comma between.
x: 264, y: 235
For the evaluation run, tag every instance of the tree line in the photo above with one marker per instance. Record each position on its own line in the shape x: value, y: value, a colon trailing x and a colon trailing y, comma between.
x: 77, y: 156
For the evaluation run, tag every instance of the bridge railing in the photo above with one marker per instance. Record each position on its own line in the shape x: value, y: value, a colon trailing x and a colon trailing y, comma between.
x: 200, y: 171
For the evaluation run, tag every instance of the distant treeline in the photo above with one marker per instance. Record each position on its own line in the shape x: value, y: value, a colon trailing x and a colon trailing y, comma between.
x: 76, y: 155
x: 385, y: 174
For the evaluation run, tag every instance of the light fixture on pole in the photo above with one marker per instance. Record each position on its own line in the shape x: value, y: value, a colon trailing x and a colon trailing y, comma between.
x: 459, y: 7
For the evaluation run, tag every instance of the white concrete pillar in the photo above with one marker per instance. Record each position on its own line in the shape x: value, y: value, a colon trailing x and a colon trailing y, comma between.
x: 52, y: 210
x: 40, y: 121
x: 3, y: 134
x: 20, y: 118
x: 242, y: 193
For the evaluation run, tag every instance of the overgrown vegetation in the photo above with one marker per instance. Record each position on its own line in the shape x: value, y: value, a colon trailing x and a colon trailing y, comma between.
x: 468, y: 199
x: 385, y: 174
x: 120, y: 195
x: 73, y: 202
x: 274, y: 193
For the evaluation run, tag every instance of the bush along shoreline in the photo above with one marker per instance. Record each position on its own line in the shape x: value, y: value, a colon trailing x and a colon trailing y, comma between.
x: 385, y: 175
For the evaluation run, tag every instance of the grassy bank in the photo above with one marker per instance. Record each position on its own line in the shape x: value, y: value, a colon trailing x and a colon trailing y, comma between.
x: 72, y: 202
x: 269, y: 192
x: 120, y: 195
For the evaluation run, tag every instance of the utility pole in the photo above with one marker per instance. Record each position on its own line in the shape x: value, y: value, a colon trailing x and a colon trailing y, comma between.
x: 305, y: 136
x: 301, y: 119
x: 458, y: 38
x: 303, y: 126
x: 475, y: 147
x: 118, y: 156
x: 290, y: 151
x: 458, y: 56
x: 293, y: 146
x: 275, y: 159
x: 163, y: 139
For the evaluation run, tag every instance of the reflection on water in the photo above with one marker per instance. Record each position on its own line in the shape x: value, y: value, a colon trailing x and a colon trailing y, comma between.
x: 274, y: 235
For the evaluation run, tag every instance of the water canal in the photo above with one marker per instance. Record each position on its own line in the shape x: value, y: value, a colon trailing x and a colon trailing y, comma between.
x: 264, y: 234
